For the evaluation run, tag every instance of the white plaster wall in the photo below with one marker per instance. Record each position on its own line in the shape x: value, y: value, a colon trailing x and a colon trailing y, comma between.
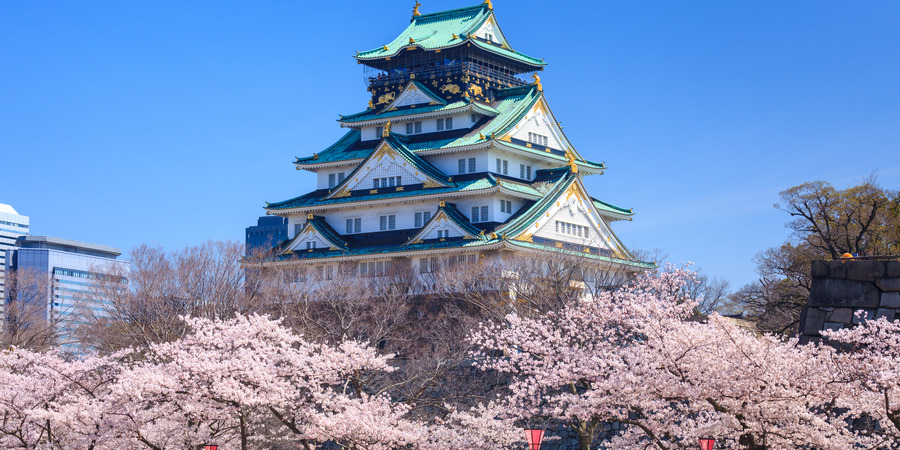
x: 538, y: 122
x: 514, y: 162
x: 322, y: 176
x: 387, y: 167
x: 449, y: 164
x: 570, y: 213
x: 443, y: 224
x: 429, y: 125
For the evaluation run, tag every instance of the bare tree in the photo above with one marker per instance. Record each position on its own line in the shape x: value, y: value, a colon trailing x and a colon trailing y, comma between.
x: 29, y: 322
x: 142, y: 304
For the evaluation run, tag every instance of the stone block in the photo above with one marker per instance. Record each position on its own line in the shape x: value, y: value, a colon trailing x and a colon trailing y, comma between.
x: 832, y: 326
x: 892, y: 269
x: 842, y: 315
x: 819, y: 269
x: 887, y: 313
x: 837, y: 269
x: 865, y: 270
x: 813, y: 321
x: 890, y: 300
x: 888, y: 284
x: 844, y: 293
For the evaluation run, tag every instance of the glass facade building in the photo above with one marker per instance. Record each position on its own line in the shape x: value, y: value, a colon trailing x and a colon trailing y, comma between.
x: 12, y: 226
x: 268, y: 231
x: 73, y: 272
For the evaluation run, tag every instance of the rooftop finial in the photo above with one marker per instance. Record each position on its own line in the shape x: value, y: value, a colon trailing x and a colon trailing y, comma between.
x: 416, y: 9
x: 537, y: 81
x: 489, y: 4
x: 387, y: 130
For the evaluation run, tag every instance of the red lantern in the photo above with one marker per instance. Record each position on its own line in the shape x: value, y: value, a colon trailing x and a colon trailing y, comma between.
x: 210, y: 447
x: 707, y: 443
x: 534, y: 438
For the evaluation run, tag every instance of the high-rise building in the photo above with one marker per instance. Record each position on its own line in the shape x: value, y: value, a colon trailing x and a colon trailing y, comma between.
x: 12, y: 226
x: 268, y: 231
x: 457, y: 157
x: 70, y: 274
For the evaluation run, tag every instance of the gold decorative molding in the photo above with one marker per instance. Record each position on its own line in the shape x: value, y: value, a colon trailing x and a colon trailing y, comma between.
x: 387, y: 129
x: 412, y: 41
x: 489, y: 4
x: 442, y: 204
x: 384, y: 47
x: 537, y: 82
x: 309, y: 216
x: 416, y: 13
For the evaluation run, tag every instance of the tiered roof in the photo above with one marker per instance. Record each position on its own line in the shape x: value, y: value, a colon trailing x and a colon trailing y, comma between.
x: 510, y: 107
x: 449, y: 29
x: 500, y: 113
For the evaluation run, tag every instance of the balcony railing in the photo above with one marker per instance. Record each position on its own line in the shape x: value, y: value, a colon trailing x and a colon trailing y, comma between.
x: 445, y: 70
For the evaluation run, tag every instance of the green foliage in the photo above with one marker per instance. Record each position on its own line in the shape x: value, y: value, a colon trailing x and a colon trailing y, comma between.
x: 827, y: 222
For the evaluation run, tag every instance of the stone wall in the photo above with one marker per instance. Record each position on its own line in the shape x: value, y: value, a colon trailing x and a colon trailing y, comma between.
x: 840, y: 288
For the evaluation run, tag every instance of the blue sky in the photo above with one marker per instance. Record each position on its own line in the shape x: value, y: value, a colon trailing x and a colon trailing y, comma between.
x: 124, y: 123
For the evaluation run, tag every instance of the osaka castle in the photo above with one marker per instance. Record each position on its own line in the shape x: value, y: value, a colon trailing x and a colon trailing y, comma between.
x: 456, y: 158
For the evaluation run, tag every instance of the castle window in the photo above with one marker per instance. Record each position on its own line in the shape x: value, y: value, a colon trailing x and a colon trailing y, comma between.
x: 538, y: 139
x: 422, y: 218
x: 413, y: 127
x: 474, y: 117
x: 297, y: 228
x: 388, y: 222
x: 479, y: 214
x: 502, y: 166
x: 332, y: 180
x: 572, y: 230
x: 354, y: 225
x: 443, y: 234
x: 506, y: 206
x: 374, y: 269
x: 311, y: 245
x: 378, y: 132
x: 524, y: 172
x: 463, y: 164
x: 428, y: 265
x: 445, y: 124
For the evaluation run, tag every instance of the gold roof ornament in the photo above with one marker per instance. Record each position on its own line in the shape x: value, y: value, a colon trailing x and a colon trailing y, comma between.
x: 572, y: 164
x: 387, y: 130
x: 480, y: 137
x: 481, y: 233
x: 416, y: 11
x: 412, y: 41
x: 470, y: 36
x: 384, y: 47
x: 315, y: 156
x: 489, y: 4
x: 443, y: 204
x: 537, y: 81
x: 455, y: 36
x: 309, y: 216
x: 371, y: 104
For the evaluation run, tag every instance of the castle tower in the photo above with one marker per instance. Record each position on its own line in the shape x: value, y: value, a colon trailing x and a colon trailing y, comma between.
x: 457, y: 157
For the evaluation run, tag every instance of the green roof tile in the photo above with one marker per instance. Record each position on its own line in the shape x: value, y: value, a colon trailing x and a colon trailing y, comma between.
x: 437, y: 30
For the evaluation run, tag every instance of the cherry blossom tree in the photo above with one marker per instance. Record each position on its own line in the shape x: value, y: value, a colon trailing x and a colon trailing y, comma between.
x: 873, y: 362
x: 247, y: 379
x: 47, y: 401
x: 635, y: 356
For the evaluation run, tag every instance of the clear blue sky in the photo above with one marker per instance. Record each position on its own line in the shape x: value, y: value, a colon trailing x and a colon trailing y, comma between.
x: 134, y: 122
